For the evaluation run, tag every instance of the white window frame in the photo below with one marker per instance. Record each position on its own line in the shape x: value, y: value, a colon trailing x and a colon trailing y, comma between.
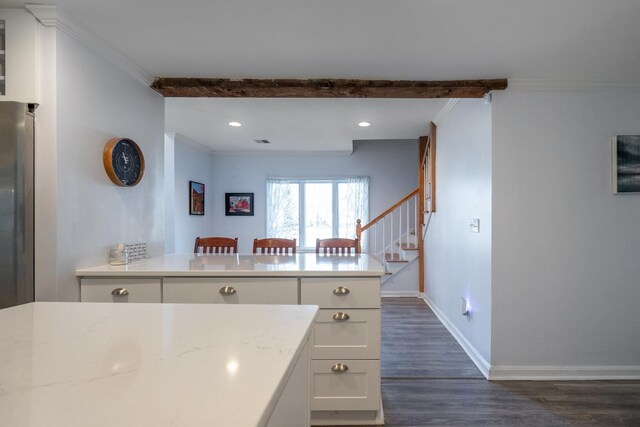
x: 335, y: 181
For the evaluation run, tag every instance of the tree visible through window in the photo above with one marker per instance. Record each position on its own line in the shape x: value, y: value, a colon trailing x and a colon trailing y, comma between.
x: 306, y: 209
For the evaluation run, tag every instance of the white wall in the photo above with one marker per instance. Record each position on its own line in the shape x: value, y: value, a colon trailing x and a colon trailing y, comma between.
x: 391, y: 165
x: 458, y: 262
x: 45, y: 174
x: 95, y: 102
x: 191, y: 163
x: 566, y: 270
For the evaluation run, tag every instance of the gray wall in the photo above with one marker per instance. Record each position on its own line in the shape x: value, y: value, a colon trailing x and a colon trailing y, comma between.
x: 566, y: 276
x: 458, y: 262
x: 391, y: 165
x: 191, y: 164
x: 95, y: 102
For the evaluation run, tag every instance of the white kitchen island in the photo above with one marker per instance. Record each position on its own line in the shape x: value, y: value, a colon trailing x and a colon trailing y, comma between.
x: 72, y: 364
x: 344, y: 345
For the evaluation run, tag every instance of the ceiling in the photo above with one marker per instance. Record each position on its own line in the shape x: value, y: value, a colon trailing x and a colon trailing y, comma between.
x: 300, y: 124
x: 363, y: 39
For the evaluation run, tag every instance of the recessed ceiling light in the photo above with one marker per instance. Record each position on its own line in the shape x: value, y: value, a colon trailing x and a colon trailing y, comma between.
x: 364, y: 124
x: 235, y: 124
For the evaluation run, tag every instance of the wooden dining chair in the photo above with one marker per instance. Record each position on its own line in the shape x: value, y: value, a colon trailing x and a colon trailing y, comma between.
x: 216, y: 245
x: 337, y: 246
x: 274, y: 246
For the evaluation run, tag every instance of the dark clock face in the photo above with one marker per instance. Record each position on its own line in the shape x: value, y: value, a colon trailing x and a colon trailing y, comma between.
x: 126, y: 162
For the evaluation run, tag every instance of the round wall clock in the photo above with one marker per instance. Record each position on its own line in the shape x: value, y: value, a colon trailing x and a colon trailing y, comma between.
x: 123, y: 162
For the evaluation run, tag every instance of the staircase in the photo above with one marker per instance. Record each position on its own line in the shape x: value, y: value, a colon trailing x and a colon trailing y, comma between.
x: 391, y: 237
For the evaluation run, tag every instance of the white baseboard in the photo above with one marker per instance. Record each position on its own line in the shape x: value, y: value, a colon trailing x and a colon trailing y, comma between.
x: 471, y: 351
x: 399, y: 294
x: 564, y: 373
x: 535, y: 373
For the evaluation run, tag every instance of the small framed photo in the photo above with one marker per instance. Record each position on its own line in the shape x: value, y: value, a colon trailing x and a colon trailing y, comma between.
x: 238, y: 204
x: 196, y: 198
x: 625, y: 156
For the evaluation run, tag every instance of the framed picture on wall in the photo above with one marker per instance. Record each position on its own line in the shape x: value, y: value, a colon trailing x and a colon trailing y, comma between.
x: 238, y: 204
x: 196, y: 198
x: 625, y: 163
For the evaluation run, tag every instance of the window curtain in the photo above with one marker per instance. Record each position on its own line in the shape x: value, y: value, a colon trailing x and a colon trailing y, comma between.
x: 283, y: 208
x: 356, y: 196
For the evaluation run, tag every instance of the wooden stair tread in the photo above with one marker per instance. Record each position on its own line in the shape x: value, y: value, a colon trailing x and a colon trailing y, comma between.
x: 394, y: 258
x: 408, y: 247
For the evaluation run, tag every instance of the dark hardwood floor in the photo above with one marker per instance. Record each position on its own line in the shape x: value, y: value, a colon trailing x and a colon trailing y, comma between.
x: 428, y: 380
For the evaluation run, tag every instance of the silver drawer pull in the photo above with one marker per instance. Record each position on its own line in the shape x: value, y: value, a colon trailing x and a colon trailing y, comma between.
x: 339, y: 367
x: 341, y: 290
x: 340, y: 316
x: 119, y: 292
x: 227, y: 290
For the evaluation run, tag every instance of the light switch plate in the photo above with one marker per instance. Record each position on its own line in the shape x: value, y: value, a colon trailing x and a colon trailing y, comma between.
x: 474, y: 225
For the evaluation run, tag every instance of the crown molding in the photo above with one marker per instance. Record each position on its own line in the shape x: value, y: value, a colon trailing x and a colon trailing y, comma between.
x: 445, y: 111
x: 532, y: 85
x: 53, y: 17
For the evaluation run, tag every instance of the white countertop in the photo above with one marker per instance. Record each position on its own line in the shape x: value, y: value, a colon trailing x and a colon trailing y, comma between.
x: 91, y: 364
x: 202, y: 265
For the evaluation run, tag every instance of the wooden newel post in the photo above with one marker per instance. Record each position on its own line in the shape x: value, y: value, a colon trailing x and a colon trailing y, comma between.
x: 359, y: 234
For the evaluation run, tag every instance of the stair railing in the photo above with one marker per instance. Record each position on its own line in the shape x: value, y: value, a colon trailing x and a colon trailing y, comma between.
x: 392, y: 230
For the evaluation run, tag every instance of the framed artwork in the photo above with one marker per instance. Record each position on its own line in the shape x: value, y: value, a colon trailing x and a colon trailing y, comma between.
x: 625, y: 163
x: 238, y: 204
x: 196, y: 198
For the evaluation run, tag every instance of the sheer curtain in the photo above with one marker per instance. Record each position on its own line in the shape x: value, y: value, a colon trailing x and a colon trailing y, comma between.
x: 283, y: 208
x: 353, y: 205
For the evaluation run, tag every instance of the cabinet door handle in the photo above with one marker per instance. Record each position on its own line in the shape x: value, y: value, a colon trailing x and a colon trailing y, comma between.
x: 339, y: 367
x: 119, y: 292
x: 341, y: 290
x: 340, y: 316
x: 227, y: 290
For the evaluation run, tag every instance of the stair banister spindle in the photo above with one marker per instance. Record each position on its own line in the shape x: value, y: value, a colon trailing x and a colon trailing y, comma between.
x: 406, y: 235
x: 399, y: 239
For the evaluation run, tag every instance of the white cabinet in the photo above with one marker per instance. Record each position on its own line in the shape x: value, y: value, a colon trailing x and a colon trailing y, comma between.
x: 18, y: 57
x: 292, y: 409
x: 348, y: 292
x: 347, y: 334
x: 346, y: 343
x: 217, y: 290
x: 344, y: 347
x: 120, y: 290
x: 345, y: 385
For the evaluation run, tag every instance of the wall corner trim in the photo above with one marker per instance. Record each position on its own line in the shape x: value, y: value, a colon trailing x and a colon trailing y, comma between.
x: 445, y: 111
x: 472, y: 352
x: 53, y: 16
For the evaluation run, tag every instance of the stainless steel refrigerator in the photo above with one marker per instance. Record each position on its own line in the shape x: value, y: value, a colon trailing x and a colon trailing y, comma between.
x: 16, y: 203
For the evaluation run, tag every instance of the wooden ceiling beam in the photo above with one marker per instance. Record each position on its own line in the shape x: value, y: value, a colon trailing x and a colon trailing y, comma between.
x: 323, y: 88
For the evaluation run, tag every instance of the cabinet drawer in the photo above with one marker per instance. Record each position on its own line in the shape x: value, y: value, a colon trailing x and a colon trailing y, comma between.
x: 356, y: 389
x: 356, y: 337
x: 218, y: 290
x: 120, y: 290
x: 357, y: 292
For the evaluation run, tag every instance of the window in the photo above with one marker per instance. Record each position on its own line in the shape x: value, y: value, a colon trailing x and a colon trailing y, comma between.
x: 307, y: 209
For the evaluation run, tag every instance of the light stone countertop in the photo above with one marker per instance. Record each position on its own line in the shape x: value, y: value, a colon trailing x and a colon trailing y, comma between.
x: 203, y: 265
x: 92, y: 364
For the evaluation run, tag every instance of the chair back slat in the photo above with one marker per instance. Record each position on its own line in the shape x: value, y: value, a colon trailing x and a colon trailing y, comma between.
x: 274, y: 246
x: 216, y: 245
x: 337, y: 246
